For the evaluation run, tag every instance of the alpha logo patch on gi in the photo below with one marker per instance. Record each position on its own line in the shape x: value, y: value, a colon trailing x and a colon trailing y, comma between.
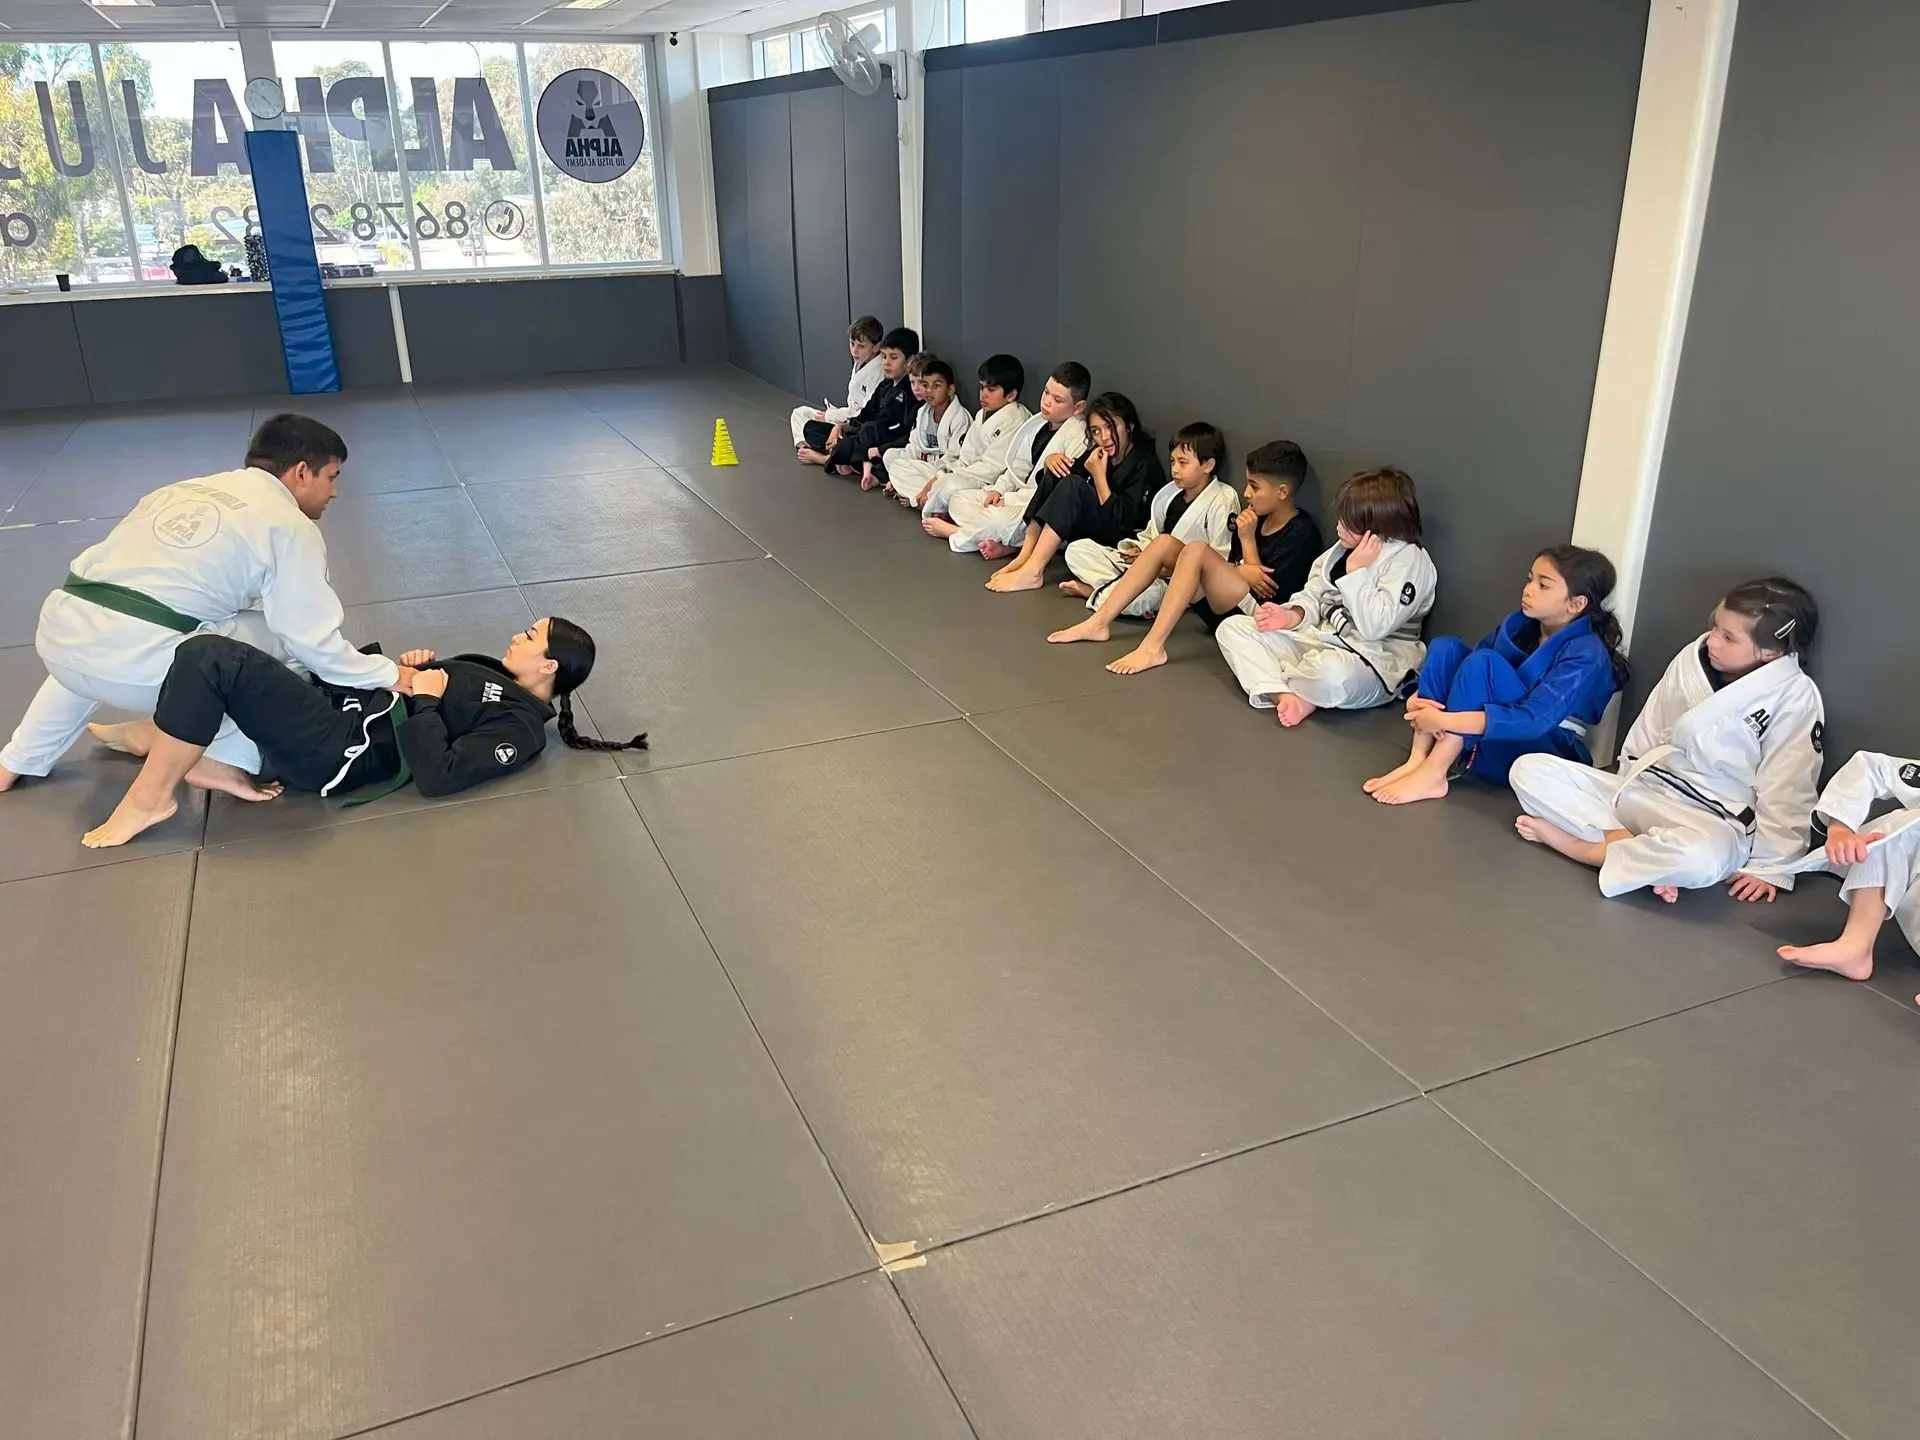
x: 187, y: 525
x: 1910, y: 775
x: 1758, y: 722
x: 1819, y: 737
x: 490, y: 693
x: 1407, y: 592
x: 504, y: 754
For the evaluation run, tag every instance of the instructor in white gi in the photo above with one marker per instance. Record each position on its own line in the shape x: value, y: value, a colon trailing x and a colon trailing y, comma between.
x: 234, y: 554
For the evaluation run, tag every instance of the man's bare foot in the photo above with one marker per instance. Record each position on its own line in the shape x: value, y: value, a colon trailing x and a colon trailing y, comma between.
x: 129, y: 818
x: 994, y: 550
x: 939, y: 526
x: 1079, y: 589
x: 1668, y: 893
x: 1841, y: 956
x: 1091, y: 628
x: 1405, y: 767
x: 1144, y: 656
x: 1421, y: 784
x: 230, y: 779
x: 7, y: 777
x: 1008, y: 581
x: 1290, y: 709
x: 130, y: 737
x: 1543, y: 832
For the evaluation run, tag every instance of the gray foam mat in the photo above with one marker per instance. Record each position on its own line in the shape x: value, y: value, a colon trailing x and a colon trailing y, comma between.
x: 498, y: 1112
x: 839, y: 1363
x: 33, y: 561
x: 1744, y: 1155
x: 984, y: 1007
x: 718, y: 660
x: 611, y: 524
x: 1388, y: 1279
x: 399, y: 547
x: 1431, y: 929
x: 87, y: 993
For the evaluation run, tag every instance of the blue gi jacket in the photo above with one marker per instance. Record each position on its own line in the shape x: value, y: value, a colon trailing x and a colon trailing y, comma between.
x: 1570, y: 676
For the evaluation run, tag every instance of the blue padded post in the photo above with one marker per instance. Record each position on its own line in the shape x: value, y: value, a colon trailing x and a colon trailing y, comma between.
x: 299, y: 300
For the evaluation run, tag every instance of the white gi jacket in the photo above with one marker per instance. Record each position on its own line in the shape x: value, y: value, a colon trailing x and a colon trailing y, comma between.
x: 936, y: 439
x: 861, y: 384
x: 1018, y: 482
x: 1208, y: 518
x: 1376, y: 613
x: 1859, y: 785
x: 210, y: 548
x: 1748, y: 752
x: 982, y: 457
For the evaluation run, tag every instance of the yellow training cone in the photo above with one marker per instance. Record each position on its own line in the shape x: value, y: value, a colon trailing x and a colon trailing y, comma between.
x: 723, y: 445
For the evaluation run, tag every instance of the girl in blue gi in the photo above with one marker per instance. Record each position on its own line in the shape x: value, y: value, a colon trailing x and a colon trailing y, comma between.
x: 1536, y: 684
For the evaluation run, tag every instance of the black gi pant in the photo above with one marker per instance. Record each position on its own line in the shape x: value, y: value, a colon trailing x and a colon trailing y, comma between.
x: 1068, y: 503
x: 303, y: 733
x: 814, y: 435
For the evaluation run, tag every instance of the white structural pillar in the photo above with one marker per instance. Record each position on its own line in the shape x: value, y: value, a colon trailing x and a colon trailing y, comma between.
x: 688, y: 147
x: 1676, y: 128
x: 917, y: 23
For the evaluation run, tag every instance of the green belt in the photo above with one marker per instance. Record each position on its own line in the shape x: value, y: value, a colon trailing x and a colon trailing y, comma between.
x: 400, y: 777
x: 130, y: 602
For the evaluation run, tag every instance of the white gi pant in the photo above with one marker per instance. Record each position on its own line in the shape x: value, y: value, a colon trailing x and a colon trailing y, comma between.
x: 977, y: 521
x: 1100, y: 565
x: 906, y: 473
x: 71, y: 693
x: 1894, y: 865
x: 1675, y: 842
x: 798, y: 421
x: 1301, y: 662
x: 948, y: 485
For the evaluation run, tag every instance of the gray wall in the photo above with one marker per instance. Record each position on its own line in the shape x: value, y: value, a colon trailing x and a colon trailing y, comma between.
x: 169, y: 347
x: 1388, y: 237
x: 806, y: 178
x: 1795, y: 423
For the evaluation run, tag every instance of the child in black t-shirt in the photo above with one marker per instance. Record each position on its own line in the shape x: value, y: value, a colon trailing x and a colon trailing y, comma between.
x: 1272, y: 547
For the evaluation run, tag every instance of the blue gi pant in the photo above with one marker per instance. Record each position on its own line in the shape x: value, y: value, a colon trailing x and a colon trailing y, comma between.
x: 1465, y: 679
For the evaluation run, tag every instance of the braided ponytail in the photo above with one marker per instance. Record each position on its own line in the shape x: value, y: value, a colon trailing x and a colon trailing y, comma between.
x: 572, y: 651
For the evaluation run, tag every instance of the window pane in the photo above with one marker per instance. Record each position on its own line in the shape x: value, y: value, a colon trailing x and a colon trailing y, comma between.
x: 62, y: 214
x: 183, y: 145
x: 590, y: 104
x: 813, y: 48
x: 355, y: 199
x: 995, y: 19
x: 465, y: 134
x: 775, y: 56
x: 1060, y: 14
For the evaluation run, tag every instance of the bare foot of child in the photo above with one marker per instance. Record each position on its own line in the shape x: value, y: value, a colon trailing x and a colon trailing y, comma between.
x: 1405, y: 767
x: 129, y: 818
x: 1290, y: 709
x: 230, y: 779
x: 938, y: 526
x: 1143, y: 656
x: 1079, y: 589
x: 7, y: 777
x: 869, y: 481
x: 130, y: 737
x: 1015, y: 578
x: 1091, y: 628
x: 1841, y: 956
x: 1542, y: 832
x: 1669, y: 893
x: 1421, y: 784
x: 994, y: 550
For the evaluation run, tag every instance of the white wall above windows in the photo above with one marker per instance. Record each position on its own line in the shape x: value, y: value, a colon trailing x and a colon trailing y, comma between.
x: 802, y: 46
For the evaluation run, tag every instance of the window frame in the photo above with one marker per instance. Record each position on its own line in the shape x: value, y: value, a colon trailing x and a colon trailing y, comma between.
x: 796, y: 33
x: 648, y: 46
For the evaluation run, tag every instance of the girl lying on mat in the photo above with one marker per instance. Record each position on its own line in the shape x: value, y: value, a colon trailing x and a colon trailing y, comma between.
x: 468, y: 719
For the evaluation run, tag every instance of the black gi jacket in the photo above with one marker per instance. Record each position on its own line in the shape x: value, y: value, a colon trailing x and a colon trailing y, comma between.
x: 484, y: 727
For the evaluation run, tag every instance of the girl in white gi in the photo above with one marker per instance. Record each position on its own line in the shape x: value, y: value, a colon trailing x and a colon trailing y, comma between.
x: 991, y: 522
x: 1878, y: 861
x: 1351, y: 637
x: 939, y: 430
x: 813, y: 430
x: 983, y: 454
x: 1717, y: 778
x: 1195, y: 507
x: 1270, y: 551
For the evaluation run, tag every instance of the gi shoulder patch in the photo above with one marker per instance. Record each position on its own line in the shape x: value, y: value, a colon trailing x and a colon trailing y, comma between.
x: 1407, y: 592
x: 1819, y: 737
x: 504, y: 754
x: 1759, y: 720
x: 1910, y: 775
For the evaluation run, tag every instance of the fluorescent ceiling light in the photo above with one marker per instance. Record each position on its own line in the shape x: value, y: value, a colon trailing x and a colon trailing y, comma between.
x: 119, y: 2
x: 583, y: 4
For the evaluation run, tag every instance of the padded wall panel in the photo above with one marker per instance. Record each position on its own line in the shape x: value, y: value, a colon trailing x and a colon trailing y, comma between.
x: 820, y: 238
x: 362, y: 323
x: 499, y: 329
x: 873, y: 204
x: 940, y: 226
x: 175, y: 346
x: 1794, y: 425
x: 703, y: 319
x: 40, y: 361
